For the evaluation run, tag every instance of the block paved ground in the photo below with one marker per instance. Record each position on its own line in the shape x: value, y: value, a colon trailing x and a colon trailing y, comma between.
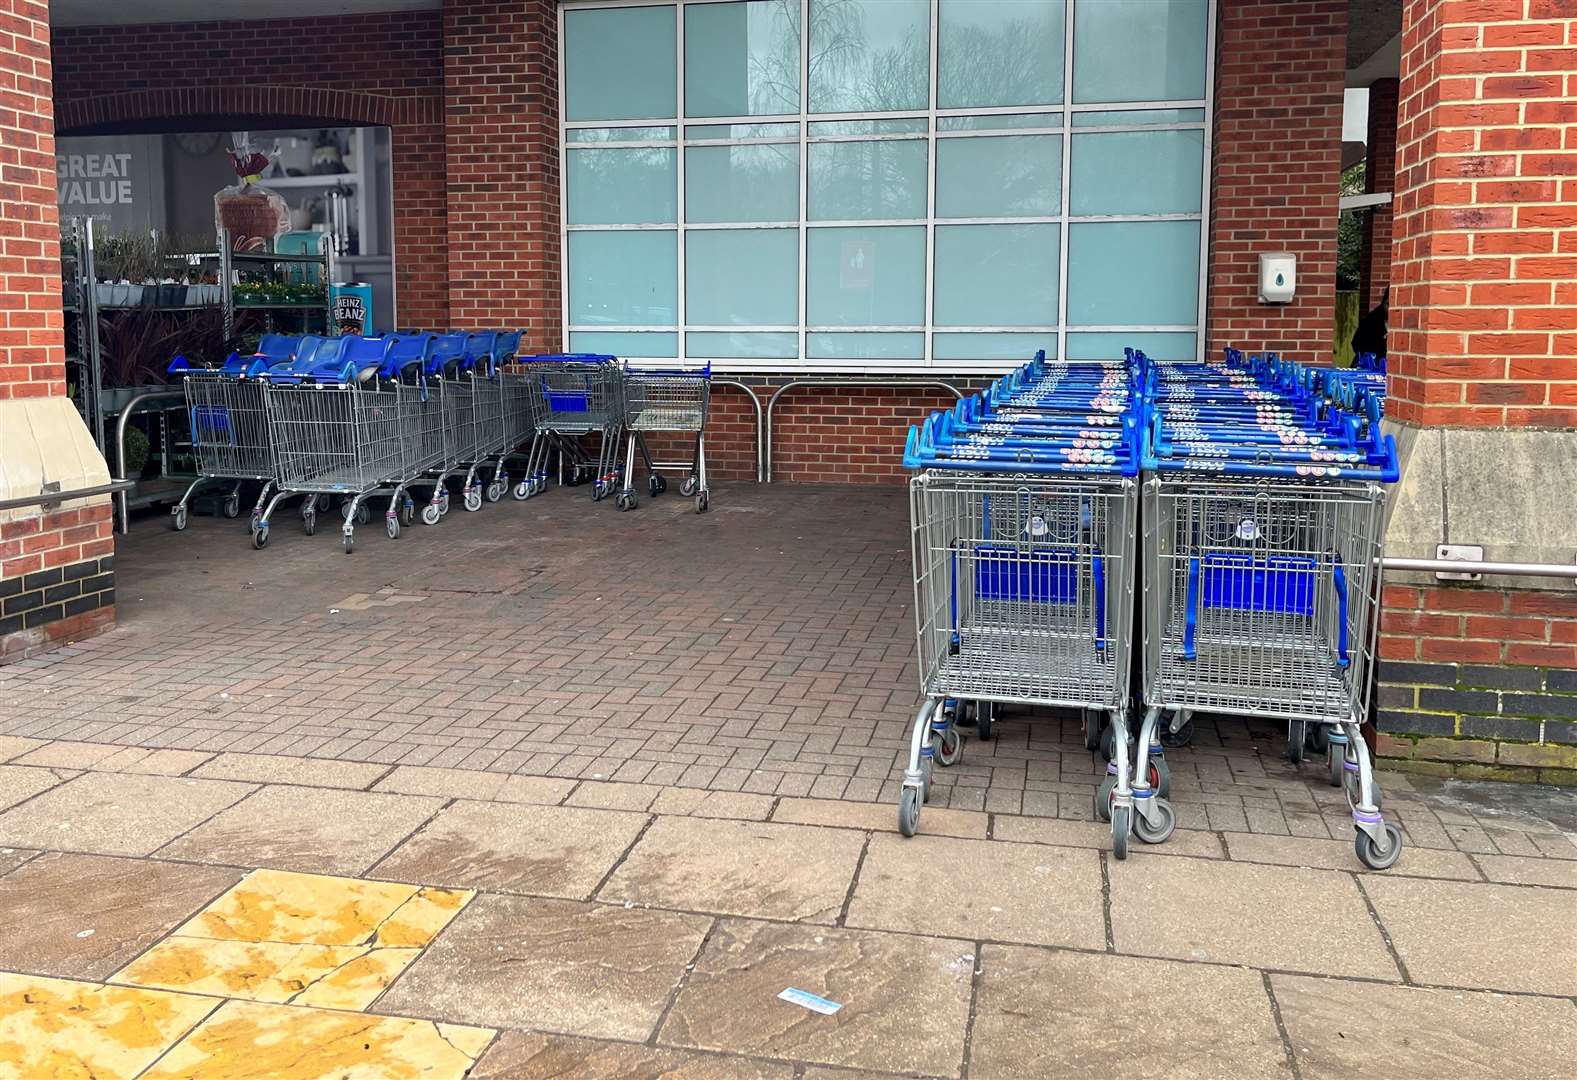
x: 552, y: 790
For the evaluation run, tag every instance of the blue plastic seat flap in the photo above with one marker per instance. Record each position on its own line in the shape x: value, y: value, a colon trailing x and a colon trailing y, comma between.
x: 1278, y: 584
x: 1042, y: 576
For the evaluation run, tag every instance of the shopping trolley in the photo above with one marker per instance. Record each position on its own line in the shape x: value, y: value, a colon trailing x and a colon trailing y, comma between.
x: 1262, y: 538
x: 667, y: 400
x: 228, y: 424
x: 1022, y: 529
x: 335, y: 429
x: 405, y: 372
x: 574, y: 396
x: 514, y: 413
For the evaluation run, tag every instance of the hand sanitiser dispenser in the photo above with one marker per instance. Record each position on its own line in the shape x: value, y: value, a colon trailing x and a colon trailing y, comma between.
x: 1278, y: 277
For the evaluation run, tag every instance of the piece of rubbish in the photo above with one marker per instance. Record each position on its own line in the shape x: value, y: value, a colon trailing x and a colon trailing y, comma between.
x: 809, y: 1001
x: 84, y: 933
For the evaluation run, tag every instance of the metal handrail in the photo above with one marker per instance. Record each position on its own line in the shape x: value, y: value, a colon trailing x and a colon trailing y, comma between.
x: 766, y: 441
x: 1466, y: 566
x: 760, y: 426
x: 120, y: 446
x: 49, y: 499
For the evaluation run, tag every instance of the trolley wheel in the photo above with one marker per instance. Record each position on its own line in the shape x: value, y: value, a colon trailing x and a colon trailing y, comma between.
x: 1092, y: 730
x: 985, y: 712
x: 1108, y: 744
x: 350, y: 543
x: 927, y: 767
x: 596, y: 491
x: 1103, y: 798
x: 494, y: 491
x: 908, y: 810
x: 443, y: 503
x: 1375, y: 856
x: 1122, y: 826
x: 391, y: 525
x: 689, y: 486
x: 310, y: 524
x: 260, y: 537
x: 701, y: 503
x: 407, y: 514
x: 1295, y: 736
x: 1319, y: 738
x: 523, y: 490
x: 1184, y: 735
x: 625, y: 500
x: 231, y: 508
x: 431, y: 514
x: 363, y: 513
x: 1335, y: 761
x: 473, y: 501
x: 178, y: 518
x: 1160, y: 777
x: 949, y: 748
x: 1160, y: 833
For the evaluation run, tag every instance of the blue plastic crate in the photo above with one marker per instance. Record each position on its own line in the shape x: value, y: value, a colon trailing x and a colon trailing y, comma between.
x: 1279, y: 584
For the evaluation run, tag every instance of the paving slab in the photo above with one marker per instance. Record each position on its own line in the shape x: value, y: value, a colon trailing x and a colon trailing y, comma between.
x: 83, y: 916
x: 330, y: 976
x: 739, y: 868
x: 1246, y: 913
x: 905, y: 998
x: 11, y: 858
x: 1485, y: 937
x: 880, y: 817
x: 555, y: 965
x: 115, y: 814
x: 274, y: 769
x: 981, y: 889
x: 1338, y: 855
x: 1043, y: 1013
x: 154, y: 762
x: 20, y: 782
x: 613, y: 796
x: 559, y: 851
x: 68, y: 755
x: 247, y: 1039
x: 58, y: 1028
x: 518, y: 1055
x: 1517, y: 870
x: 470, y: 784
x: 315, y: 830
x: 14, y: 746
x: 1342, y: 1029
x: 1094, y: 834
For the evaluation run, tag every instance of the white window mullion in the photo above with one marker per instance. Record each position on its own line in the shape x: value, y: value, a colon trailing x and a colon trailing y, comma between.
x: 681, y: 315
x: 1067, y: 172
x: 804, y: 171
x: 928, y: 357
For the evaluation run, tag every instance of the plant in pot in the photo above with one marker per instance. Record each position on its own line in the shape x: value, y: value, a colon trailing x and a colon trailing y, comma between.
x: 136, y: 346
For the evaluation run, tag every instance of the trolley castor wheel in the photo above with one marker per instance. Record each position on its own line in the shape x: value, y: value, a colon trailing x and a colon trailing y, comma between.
x: 231, y: 507
x: 908, y: 810
x: 1122, y: 826
x: 1176, y: 740
x: 985, y: 713
x: 523, y: 491
x: 391, y: 526
x: 949, y: 747
x: 443, y: 503
x: 309, y: 524
x: 494, y: 491
x: 1375, y: 856
x: 1103, y: 798
x: 1161, y: 830
x: 625, y: 500
x: 689, y: 486
x: 407, y: 513
x: 1160, y: 777
x: 178, y: 518
x: 1296, y: 734
x: 431, y: 514
x: 260, y: 537
x: 701, y: 503
x: 350, y: 543
x: 656, y: 485
x: 472, y: 501
x: 1093, y: 725
x: 1335, y: 762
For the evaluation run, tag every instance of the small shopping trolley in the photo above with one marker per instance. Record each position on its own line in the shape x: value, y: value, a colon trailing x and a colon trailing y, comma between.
x: 666, y: 400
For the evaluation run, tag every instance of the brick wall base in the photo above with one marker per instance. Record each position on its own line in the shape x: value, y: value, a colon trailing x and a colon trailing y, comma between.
x: 50, y: 607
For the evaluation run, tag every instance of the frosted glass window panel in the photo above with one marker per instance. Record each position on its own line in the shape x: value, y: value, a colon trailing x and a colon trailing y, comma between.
x: 1139, y: 50
x: 743, y: 345
x: 1137, y: 172
x: 1133, y: 273
x: 866, y: 276
x: 741, y: 277
x: 620, y: 63
x: 902, y: 125
x: 996, y: 275
x: 828, y: 346
x: 623, y: 278
x: 869, y: 55
x: 867, y: 181
x: 622, y: 187
x: 1109, y: 345
x: 619, y: 134
x: 625, y: 343
x: 741, y: 59
x: 1138, y: 117
x: 741, y: 183
x: 999, y: 176
x: 998, y: 121
x: 1010, y: 348
x: 999, y: 52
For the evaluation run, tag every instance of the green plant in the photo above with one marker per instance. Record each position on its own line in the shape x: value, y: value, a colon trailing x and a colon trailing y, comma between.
x: 136, y: 346
x: 1349, y: 233
x: 137, y: 447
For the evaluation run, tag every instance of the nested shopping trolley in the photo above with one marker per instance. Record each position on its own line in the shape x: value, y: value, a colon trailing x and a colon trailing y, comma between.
x: 673, y: 400
x: 1023, y: 545
x: 1261, y: 573
x: 575, y: 397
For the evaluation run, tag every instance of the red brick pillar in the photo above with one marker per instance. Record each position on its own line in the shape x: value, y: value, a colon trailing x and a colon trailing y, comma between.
x: 1481, y: 679
x: 1280, y: 72
x: 55, y: 566
x: 501, y: 146
x: 1379, y: 175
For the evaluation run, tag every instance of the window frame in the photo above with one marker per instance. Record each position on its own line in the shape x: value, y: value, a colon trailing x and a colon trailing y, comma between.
x: 1065, y: 129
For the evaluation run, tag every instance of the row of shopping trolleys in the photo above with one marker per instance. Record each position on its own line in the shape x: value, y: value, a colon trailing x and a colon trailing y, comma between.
x: 410, y: 416
x: 1146, y: 539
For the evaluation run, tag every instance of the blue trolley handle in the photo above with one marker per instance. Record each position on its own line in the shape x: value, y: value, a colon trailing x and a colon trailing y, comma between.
x: 1191, y: 610
x: 1098, y: 567
x: 1339, y: 578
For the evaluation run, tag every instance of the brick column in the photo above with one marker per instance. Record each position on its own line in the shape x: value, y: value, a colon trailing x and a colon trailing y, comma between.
x: 55, y: 567
x: 501, y: 145
x: 1379, y: 175
x: 1280, y: 71
x: 1481, y: 679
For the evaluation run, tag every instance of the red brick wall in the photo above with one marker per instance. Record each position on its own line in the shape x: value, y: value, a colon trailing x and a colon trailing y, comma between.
x: 32, y: 345
x: 1379, y: 175
x: 501, y: 147
x: 383, y: 68
x: 1484, y: 296
x: 1280, y: 68
x: 1480, y: 626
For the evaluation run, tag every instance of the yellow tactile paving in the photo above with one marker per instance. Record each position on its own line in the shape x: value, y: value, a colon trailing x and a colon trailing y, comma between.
x: 245, y: 1040
x: 294, y: 938
x: 68, y: 1030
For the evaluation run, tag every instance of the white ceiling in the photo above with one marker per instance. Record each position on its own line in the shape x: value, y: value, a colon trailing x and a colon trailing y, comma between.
x: 129, y: 12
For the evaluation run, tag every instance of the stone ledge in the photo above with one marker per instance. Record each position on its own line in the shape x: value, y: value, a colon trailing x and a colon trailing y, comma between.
x: 1481, y: 759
